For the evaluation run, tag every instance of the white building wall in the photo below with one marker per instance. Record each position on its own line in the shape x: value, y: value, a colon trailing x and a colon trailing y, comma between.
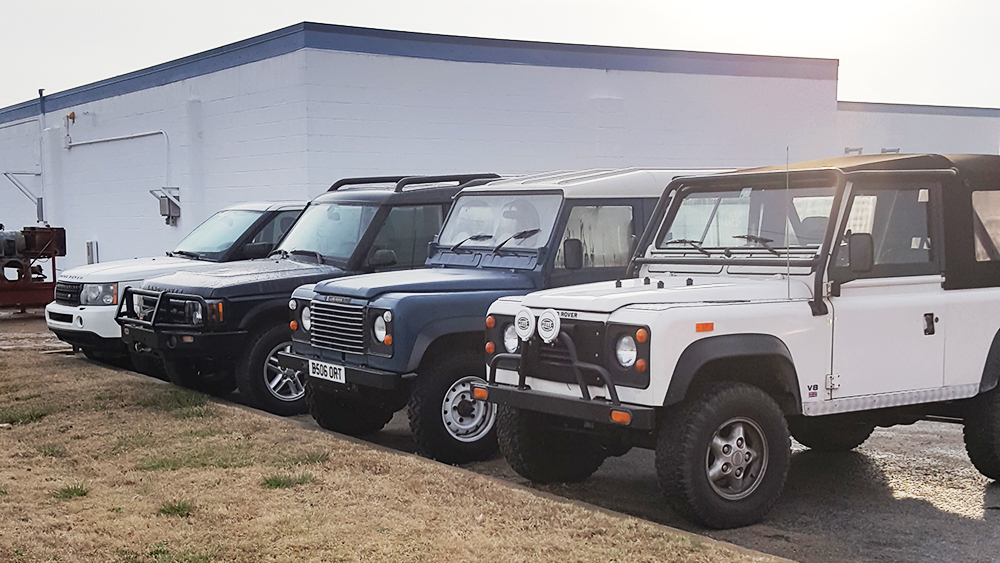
x: 374, y: 114
x: 917, y: 129
x: 20, y: 157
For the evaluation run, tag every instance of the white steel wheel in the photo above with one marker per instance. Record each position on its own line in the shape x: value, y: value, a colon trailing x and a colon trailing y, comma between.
x: 465, y: 418
x: 736, y: 458
x: 285, y: 384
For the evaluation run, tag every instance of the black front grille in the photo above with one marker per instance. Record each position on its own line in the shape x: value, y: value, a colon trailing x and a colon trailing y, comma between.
x: 68, y: 293
x: 552, y: 361
x: 339, y: 327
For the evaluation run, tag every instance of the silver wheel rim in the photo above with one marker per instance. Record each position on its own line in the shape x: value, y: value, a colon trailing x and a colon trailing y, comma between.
x: 285, y: 384
x: 465, y: 418
x: 736, y: 459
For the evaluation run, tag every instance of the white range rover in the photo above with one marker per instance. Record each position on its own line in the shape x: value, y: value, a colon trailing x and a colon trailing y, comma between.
x: 816, y: 301
x: 86, y: 297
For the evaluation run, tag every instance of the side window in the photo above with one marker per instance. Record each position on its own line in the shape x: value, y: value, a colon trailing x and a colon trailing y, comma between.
x: 899, y: 220
x: 407, y: 230
x: 276, y: 227
x: 986, y: 226
x: 606, y: 232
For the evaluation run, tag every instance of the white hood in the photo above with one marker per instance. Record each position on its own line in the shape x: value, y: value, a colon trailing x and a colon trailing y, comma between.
x: 604, y: 297
x: 135, y: 269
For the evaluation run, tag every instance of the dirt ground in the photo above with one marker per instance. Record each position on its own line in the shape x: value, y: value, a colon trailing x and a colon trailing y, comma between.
x: 100, y: 464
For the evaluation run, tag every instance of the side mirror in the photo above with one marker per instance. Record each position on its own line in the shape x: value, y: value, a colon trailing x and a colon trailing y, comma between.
x: 382, y: 257
x: 257, y: 249
x: 861, y: 250
x: 573, y: 253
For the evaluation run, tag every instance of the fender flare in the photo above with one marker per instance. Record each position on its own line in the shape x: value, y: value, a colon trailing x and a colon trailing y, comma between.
x: 442, y: 327
x: 991, y: 370
x: 265, y: 309
x: 701, y: 352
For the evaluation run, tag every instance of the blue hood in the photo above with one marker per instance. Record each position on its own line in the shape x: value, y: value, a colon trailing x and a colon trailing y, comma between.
x: 429, y: 280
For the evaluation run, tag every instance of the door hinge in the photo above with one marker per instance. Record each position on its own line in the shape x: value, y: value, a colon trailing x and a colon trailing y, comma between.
x: 833, y: 381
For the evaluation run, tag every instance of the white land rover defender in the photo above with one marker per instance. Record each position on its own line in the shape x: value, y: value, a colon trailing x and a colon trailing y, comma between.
x: 818, y: 301
x: 86, y: 297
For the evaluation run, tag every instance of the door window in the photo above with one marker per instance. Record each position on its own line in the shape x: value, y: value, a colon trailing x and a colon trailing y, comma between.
x: 606, y: 232
x: 407, y: 230
x: 986, y: 225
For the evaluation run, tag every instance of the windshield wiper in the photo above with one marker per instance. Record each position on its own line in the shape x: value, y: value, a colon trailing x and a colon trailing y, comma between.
x: 186, y: 254
x: 696, y: 244
x: 281, y: 252
x: 479, y: 236
x: 319, y: 257
x: 520, y: 235
x: 759, y: 240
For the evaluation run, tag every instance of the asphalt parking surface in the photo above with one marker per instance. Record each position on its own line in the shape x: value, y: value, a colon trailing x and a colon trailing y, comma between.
x: 909, y: 494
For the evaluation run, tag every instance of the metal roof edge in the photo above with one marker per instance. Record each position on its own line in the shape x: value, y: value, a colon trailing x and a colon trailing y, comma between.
x: 873, y: 107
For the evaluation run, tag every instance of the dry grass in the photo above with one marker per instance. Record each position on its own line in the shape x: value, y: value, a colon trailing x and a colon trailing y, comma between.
x: 166, y: 475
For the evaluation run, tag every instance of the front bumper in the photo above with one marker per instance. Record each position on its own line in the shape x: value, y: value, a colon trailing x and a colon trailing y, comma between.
x: 598, y: 410
x: 355, y: 377
x: 85, y: 319
x: 182, y: 344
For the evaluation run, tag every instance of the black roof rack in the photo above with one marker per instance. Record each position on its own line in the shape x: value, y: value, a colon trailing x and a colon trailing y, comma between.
x: 460, y: 178
x: 364, y: 180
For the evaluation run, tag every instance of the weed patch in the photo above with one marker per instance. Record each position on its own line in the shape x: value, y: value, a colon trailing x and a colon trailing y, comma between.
x: 160, y: 553
x: 72, y: 491
x: 223, y: 458
x: 129, y: 442
x: 179, y: 403
x: 283, y: 481
x: 53, y: 450
x: 15, y: 415
x: 182, y: 509
x: 309, y: 458
x: 4, y: 491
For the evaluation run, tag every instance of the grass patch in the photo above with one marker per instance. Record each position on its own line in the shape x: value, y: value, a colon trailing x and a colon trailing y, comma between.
x: 284, y: 481
x: 309, y: 458
x: 221, y: 457
x: 179, y: 403
x: 26, y: 397
x: 72, y: 491
x: 14, y: 415
x: 182, y: 509
x: 53, y: 450
x: 159, y: 553
x: 129, y: 442
x: 203, y: 432
x: 4, y: 492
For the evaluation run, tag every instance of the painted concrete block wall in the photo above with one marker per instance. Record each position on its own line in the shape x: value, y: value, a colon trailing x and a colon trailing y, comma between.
x: 915, y: 129
x: 426, y: 115
x: 20, y: 156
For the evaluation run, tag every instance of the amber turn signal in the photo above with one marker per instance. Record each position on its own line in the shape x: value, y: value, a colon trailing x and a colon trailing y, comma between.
x: 293, y: 325
x: 621, y: 417
x: 641, y: 335
x: 490, y: 347
x: 387, y: 340
x: 490, y: 322
x: 480, y: 393
x: 704, y: 327
x: 640, y: 366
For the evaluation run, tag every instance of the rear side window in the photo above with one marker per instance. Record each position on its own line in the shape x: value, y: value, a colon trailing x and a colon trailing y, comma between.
x: 606, y: 233
x: 407, y: 230
x: 276, y: 227
x: 986, y: 225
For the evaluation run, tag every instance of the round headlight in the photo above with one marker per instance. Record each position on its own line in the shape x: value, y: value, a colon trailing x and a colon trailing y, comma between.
x: 510, y: 339
x: 379, y: 329
x: 293, y: 304
x: 625, y: 351
x: 306, y: 319
x: 387, y: 316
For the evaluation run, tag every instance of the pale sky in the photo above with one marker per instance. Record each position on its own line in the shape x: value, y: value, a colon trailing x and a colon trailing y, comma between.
x: 913, y: 51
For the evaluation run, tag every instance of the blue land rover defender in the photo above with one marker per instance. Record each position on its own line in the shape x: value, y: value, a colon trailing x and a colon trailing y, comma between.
x: 373, y: 344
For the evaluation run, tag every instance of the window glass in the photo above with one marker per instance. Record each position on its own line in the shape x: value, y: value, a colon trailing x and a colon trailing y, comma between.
x: 898, y: 220
x: 606, y: 233
x: 407, y: 230
x: 491, y: 219
x: 330, y: 229
x: 986, y: 226
x: 218, y: 232
x: 276, y: 227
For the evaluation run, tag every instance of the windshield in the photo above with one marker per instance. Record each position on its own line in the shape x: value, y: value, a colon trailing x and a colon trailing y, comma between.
x: 217, y: 233
x: 749, y: 218
x: 489, y: 220
x: 331, y: 230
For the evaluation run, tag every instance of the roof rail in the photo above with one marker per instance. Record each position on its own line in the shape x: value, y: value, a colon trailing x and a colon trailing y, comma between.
x: 364, y: 180
x: 460, y: 178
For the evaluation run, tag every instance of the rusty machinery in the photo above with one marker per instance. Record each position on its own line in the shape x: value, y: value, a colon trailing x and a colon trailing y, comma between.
x: 22, y: 282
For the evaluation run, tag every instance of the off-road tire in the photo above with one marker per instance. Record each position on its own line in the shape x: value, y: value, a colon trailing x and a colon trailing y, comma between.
x: 451, y: 377
x: 684, y: 455
x: 148, y: 365
x: 344, y: 415
x: 252, y: 374
x: 218, y: 382
x: 982, y: 433
x: 829, y: 434
x: 539, y: 452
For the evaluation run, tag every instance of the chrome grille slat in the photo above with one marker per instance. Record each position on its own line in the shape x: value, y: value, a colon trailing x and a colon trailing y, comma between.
x: 338, y: 326
x: 68, y: 293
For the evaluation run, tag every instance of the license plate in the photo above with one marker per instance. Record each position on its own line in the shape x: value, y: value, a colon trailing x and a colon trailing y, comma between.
x: 326, y: 371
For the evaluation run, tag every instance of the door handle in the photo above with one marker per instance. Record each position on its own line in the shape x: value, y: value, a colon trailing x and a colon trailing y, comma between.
x: 929, y: 322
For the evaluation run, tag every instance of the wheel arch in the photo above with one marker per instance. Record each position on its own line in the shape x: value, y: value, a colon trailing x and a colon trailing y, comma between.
x: 991, y: 370
x: 438, y: 335
x: 272, y: 311
x: 738, y: 357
